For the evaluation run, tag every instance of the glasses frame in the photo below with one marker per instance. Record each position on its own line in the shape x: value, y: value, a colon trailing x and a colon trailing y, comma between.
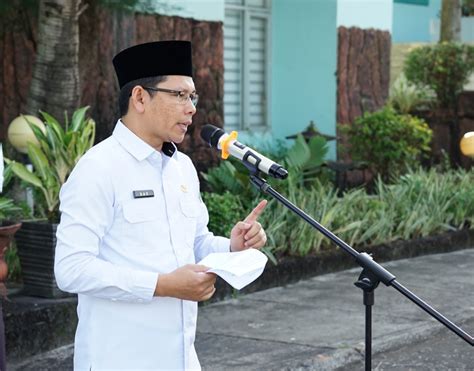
x: 193, y: 97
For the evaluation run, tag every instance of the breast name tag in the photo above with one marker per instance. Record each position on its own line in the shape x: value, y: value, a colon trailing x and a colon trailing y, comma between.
x: 144, y: 193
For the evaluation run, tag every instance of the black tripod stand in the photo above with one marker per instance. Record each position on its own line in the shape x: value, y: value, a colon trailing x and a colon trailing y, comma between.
x: 372, y: 272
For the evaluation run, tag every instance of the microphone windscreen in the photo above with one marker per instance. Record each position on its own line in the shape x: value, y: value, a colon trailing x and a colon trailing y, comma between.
x: 211, y: 134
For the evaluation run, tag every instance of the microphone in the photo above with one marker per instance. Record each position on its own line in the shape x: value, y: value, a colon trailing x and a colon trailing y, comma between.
x: 228, y: 145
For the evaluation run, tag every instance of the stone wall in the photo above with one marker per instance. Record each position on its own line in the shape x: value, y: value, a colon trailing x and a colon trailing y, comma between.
x: 17, y: 54
x: 103, y: 33
x: 363, y: 78
x: 363, y: 72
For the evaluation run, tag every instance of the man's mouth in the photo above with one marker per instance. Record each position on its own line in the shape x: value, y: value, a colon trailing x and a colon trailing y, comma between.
x: 184, y: 125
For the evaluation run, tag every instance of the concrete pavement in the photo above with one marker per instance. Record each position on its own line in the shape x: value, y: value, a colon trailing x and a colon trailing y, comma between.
x: 439, y: 351
x: 318, y: 324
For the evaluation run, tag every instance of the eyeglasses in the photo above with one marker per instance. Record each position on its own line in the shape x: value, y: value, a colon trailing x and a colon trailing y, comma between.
x: 182, y: 96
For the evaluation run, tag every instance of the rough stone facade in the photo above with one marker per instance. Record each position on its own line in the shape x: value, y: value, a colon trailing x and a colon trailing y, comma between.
x: 363, y: 79
x: 363, y: 72
x: 17, y: 54
x: 103, y: 33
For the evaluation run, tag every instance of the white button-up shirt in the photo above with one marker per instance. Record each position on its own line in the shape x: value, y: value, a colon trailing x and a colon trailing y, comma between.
x: 112, y: 246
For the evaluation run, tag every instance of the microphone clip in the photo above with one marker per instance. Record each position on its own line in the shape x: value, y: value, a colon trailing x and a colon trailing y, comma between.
x: 252, y: 168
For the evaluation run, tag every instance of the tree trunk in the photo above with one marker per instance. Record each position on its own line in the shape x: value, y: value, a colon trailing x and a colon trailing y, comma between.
x: 55, y: 82
x: 451, y: 21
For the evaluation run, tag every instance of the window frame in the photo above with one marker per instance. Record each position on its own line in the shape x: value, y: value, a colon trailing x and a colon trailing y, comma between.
x: 248, y: 12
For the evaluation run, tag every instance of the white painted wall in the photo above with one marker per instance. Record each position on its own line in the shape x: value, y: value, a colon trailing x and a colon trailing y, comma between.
x: 365, y: 14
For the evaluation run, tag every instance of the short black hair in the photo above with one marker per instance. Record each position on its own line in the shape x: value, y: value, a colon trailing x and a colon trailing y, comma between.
x: 126, y: 91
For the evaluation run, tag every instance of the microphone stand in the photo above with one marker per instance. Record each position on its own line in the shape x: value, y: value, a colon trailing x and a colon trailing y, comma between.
x: 372, y: 272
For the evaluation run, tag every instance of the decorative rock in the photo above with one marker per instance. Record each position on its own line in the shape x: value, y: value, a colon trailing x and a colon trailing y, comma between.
x: 20, y: 133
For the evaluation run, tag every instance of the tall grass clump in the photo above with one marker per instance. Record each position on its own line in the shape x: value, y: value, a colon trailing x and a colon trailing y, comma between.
x: 419, y: 204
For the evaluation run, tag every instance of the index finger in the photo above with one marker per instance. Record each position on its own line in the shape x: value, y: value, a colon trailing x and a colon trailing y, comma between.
x: 255, y: 213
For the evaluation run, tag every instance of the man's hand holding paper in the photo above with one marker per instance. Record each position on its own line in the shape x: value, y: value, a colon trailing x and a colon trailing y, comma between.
x: 244, y: 264
x: 236, y: 268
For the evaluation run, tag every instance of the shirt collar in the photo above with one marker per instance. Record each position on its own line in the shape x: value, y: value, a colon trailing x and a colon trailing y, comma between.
x: 136, y: 146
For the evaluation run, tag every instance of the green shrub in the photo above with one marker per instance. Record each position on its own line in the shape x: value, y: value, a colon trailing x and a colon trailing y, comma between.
x: 405, y: 97
x: 468, y: 8
x: 388, y: 142
x: 305, y: 158
x: 13, y: 263
x: 9, y: 211
x: 444, y: 67
x: 421, y: 203
x: 224, y: 211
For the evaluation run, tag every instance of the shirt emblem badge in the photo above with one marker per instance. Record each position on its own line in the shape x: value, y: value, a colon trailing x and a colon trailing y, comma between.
x: 184, y: 189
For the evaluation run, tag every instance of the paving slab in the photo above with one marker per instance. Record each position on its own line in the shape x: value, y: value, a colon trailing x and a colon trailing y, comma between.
x: 319, y: 323
x: 424, y: 355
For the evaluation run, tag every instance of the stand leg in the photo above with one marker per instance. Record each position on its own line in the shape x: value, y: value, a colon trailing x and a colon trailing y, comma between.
x: 368, y: 302
x: 368, y: 283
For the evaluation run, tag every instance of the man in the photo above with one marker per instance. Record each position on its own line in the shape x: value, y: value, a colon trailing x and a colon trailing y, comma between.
x: 133, y: 224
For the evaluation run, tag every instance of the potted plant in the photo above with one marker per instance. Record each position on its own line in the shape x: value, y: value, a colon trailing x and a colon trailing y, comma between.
x: 53, y: 159
x: 9, y: 214
x: 9, y: 224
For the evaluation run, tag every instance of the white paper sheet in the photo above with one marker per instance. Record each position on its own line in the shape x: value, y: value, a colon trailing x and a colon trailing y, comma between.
x: 237, y: 268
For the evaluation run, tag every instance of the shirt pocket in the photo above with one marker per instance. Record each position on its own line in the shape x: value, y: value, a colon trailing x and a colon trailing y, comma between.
x: 190, y: 212
x: 143, y: 223
x: 139, y: 212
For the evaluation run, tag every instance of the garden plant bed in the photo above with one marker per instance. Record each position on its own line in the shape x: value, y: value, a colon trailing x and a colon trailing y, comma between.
x: 292, y: 269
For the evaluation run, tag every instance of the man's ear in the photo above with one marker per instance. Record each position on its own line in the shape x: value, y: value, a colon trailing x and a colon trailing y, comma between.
x: 138, y: 99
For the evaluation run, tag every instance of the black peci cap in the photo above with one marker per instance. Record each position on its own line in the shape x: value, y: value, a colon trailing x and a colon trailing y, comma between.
x: 158, y: 58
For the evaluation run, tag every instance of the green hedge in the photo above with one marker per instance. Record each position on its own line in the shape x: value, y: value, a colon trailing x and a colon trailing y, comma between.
x: 419, y: 204
x: 388, y: 142
x: 224, y: 211
x: 443, y: 67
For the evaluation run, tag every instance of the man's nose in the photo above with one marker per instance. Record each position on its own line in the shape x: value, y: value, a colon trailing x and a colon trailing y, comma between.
x: 190, y: 107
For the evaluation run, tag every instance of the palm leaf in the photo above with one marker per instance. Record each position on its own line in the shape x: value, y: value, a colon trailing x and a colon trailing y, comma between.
x: 24, y: 174
x: 39, y: 161
x: 318, y: 150
x: 7, y: 172
x: 52, y: 123
x: 53, y: 140
x: 299, y: 154
x: 78, y: 121
x: 37, y: 131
